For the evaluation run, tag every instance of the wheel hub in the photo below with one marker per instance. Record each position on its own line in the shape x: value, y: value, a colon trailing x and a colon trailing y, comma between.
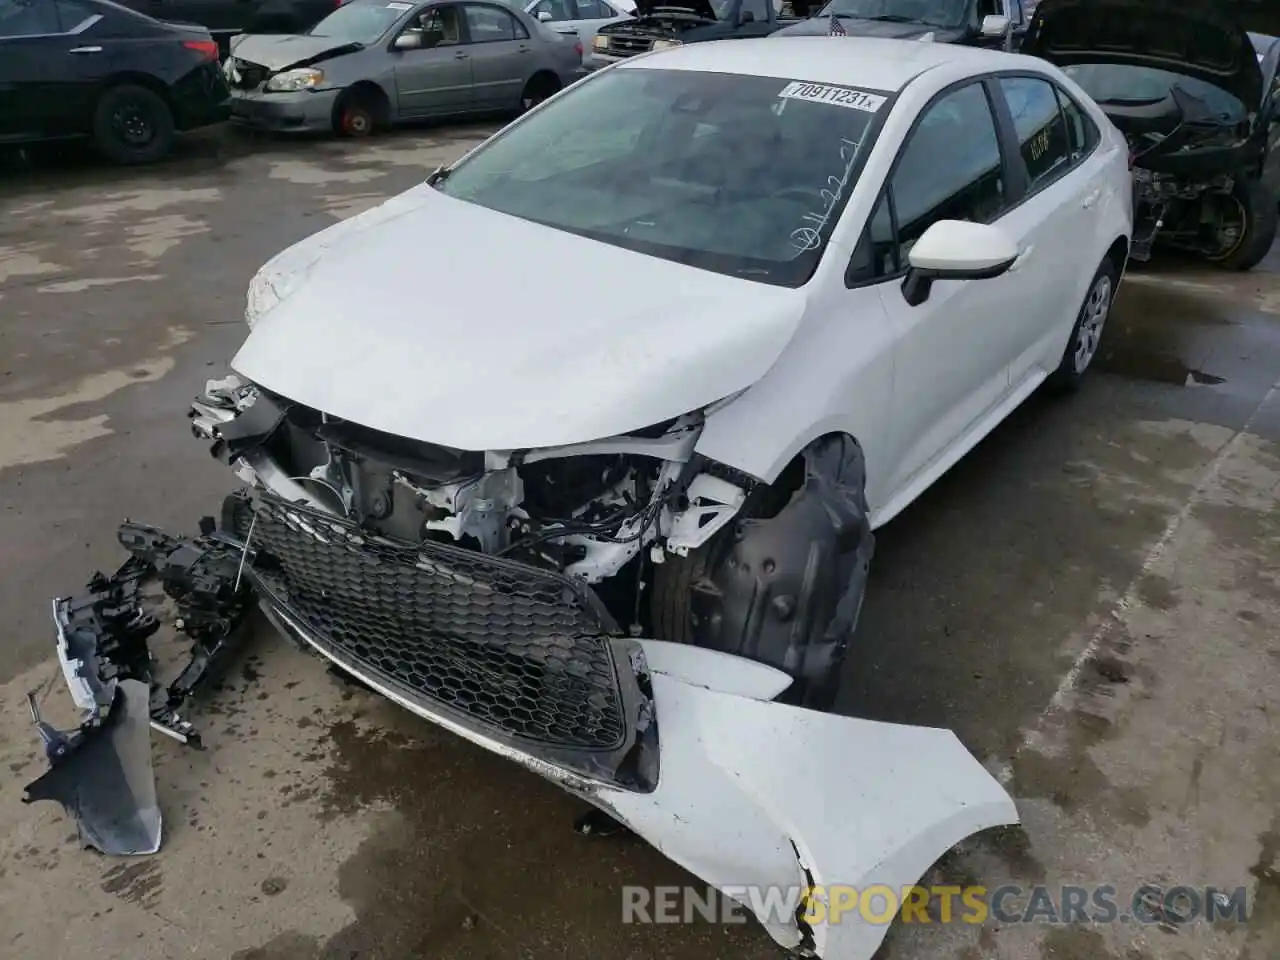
x: 132, y: 124
x: 1093, y: 318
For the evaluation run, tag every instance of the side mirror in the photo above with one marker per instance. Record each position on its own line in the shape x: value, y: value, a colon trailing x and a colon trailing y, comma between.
x: 409, y: 40
x: 994, y: 25
x: 956, y: 250
x: 544, y: 16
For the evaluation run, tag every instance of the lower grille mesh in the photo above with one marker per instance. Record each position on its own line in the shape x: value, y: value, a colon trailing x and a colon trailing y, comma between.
x: 513, y: 648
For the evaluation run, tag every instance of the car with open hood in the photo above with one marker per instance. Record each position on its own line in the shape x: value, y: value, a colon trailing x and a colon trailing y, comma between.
x: 371, y: 64
x: 662, y: 24
x: 626, y: 545
x: 1195, y: 94
x: 998, y: 24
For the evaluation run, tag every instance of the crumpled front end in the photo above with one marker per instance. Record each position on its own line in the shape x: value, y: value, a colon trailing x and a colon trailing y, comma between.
x: 497, y: 594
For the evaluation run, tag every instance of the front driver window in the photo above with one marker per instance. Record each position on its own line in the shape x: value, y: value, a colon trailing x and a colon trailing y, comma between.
x: 970, y: 185
x: 27, y: 18
x: 439, y: 27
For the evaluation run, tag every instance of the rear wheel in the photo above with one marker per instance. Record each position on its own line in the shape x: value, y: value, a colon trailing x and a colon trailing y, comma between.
x: 1086, y: 335
x: 132, y: 124
x: 540, y: 87
x: 1244, y: 225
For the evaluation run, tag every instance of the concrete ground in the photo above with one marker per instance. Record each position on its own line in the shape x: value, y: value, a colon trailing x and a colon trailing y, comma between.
x: 1089, y: 600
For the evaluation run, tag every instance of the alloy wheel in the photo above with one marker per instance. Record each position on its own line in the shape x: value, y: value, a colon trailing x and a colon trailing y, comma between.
x: 1092, y: 319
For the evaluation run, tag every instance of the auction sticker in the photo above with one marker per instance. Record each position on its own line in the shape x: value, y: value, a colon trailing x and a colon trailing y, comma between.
x: 399, y: 6
x: 839, y: 96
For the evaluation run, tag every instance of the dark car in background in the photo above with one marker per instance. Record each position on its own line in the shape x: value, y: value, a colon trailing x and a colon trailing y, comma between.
x: 979, y: 23
x: 92, y: 68
x: 1195, y: 93
x: 226, y: 18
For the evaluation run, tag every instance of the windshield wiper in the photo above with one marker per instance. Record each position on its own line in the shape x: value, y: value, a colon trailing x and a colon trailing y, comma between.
x: 438, y: 175
x: 893, y: 18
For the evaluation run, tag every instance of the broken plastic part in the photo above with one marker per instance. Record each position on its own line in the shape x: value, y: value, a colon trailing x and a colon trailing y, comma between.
x: 104, y: 778
x: 769, y: 803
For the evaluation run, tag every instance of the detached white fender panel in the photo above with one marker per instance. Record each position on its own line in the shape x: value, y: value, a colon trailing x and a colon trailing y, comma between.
x: 760, y: 794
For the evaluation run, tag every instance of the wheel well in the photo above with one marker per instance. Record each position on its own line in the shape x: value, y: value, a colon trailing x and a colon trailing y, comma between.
x: 770, y: 499
x: 1119, y: 254
x: 378, y: 101
x: 140, y: 80
x: 544, y: 78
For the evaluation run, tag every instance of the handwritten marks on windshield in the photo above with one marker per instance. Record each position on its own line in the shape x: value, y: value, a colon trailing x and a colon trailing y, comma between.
x: 809, y: 236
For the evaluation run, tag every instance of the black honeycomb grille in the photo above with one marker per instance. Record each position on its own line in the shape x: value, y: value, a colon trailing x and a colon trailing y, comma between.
x: 516, y: 649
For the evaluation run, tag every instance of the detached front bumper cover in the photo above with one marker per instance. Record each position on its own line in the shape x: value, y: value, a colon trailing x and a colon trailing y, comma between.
x: 754, y: 796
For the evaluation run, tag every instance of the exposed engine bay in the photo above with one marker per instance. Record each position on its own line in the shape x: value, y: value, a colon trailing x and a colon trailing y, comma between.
x: 585, y: 510
x: 1192, y: 86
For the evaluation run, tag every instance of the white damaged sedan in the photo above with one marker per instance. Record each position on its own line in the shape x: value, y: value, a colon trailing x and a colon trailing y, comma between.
x: 623, y: 538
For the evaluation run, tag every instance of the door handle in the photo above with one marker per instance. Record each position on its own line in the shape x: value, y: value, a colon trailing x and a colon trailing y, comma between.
x: 1091, y: 199
x: 526, y: 49
x: 459, y: 55
x: 85, y: 50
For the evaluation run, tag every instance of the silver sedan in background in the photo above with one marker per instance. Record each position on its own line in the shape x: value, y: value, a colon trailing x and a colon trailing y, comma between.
x: 375, y: 63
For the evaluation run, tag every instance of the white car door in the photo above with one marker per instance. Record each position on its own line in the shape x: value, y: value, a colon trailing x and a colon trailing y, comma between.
x: 1056, y: 219
x: 951, y: 370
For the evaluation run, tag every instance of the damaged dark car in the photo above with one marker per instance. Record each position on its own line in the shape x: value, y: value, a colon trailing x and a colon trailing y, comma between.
x: 1195, y: 94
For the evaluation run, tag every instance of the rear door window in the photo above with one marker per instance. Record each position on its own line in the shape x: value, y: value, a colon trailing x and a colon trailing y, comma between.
x: 1044, y: 138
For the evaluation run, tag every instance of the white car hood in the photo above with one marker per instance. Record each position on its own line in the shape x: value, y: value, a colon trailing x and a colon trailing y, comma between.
x: 438, y: 320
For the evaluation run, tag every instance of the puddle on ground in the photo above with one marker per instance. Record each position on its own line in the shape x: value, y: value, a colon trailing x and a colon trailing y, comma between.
x: 1163, y: 336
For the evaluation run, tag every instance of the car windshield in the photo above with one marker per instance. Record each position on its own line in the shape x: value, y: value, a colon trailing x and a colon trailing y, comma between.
x: 741, y: 175
x: 935, y: 13
x: 360, y: 21
x: 1123, y: 85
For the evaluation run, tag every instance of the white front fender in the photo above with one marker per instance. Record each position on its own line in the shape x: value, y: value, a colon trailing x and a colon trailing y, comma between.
x: 757, y: 794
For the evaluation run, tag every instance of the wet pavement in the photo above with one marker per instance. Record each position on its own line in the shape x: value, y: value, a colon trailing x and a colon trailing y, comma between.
x: 1088, y: 599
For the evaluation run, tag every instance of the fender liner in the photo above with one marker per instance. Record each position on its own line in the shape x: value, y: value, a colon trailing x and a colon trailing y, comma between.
x: 787, y: 590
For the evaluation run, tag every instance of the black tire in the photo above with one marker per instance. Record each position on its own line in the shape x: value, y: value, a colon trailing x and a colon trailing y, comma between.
x: 1257, y: 204
x: 132, y: 125
x: 1086, y: 334
x: 540, y: 87
x: 358, y: 113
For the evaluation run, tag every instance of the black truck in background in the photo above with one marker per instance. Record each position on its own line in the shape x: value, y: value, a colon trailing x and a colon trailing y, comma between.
x: 226, y: 18
x: 999, y: 24
x: 661, y: 23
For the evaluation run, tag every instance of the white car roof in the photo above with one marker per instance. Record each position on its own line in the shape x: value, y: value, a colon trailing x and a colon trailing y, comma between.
x: 868, y: 62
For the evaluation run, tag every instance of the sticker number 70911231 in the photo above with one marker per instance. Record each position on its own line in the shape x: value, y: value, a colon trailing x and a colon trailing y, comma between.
x: 838, y: 96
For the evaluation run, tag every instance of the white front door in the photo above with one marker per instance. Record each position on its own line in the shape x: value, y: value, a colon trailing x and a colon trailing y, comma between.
x: 953, y: 350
